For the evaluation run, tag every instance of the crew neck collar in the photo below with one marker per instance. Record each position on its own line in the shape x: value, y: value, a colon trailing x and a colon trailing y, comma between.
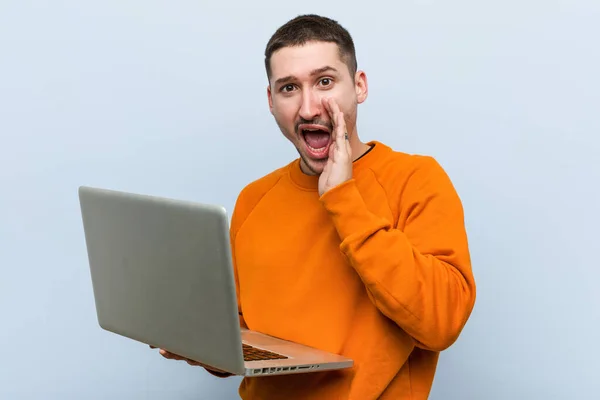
x: 311, y: 182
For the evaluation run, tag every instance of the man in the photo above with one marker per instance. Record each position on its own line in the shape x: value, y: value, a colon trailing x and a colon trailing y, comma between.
x: 353, y: 248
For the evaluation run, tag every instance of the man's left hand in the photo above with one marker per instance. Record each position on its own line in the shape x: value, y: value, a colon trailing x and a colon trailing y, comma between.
x: 339, y: 165
x: 172, y: 356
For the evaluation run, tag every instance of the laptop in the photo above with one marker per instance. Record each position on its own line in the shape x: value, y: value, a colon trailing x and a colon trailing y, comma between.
x: 162, y: 275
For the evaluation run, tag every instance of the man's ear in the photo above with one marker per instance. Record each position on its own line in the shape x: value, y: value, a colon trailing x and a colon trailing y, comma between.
x: 361, y: 86
x: 270, y: 98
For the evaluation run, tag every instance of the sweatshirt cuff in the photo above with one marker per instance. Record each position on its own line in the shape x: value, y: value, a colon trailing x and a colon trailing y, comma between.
x: 345, y: 205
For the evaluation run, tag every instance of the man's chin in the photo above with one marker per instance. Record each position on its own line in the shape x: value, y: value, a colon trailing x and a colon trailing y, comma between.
x: 313, y: 167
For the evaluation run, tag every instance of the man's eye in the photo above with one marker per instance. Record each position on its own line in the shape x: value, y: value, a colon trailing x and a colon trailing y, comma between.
x: 326, y: 81
x: 287, y: 88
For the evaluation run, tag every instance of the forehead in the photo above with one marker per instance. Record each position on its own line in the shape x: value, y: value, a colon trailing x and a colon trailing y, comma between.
x: 299, y: 61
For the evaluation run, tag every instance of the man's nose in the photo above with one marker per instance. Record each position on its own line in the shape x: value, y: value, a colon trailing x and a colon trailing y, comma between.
x: 311, y: 105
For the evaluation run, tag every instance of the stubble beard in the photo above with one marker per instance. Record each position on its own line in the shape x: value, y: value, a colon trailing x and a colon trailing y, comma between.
x: 305, y: 162
x: 308, y: 163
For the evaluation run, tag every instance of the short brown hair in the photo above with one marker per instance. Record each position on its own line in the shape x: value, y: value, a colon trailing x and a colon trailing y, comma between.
x: 311, y: 27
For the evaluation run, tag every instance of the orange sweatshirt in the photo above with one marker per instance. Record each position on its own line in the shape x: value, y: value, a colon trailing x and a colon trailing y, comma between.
x: 377, y: 269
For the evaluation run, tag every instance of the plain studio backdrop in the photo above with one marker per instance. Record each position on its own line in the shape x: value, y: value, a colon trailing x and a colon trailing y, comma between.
x: 169, y: 98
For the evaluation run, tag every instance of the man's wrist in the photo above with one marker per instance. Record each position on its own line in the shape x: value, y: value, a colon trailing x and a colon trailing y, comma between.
x: 345, y: 205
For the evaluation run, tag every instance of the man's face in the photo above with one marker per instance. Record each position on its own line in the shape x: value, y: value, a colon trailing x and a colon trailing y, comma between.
x: 301, y: 78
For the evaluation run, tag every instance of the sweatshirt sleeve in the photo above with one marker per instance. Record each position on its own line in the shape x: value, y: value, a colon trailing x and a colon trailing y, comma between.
x: 235, y: 224
x: 236, y: 221
x: 417, y: 271
x: 237, y: 291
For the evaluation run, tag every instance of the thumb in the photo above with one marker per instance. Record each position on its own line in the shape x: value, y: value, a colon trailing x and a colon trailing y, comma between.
x: 326, y: 168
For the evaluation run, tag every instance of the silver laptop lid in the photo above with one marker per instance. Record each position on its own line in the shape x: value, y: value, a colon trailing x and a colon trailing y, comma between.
x: 161, y: 274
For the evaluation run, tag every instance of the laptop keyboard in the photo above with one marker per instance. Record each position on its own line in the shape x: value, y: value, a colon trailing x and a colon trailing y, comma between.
x: 254, y: 354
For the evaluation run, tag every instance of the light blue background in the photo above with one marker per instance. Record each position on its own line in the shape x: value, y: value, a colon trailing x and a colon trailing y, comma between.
x: 168, y: 98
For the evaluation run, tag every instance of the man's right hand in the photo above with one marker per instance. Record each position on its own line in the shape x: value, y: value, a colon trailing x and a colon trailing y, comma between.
x: 172, y: 356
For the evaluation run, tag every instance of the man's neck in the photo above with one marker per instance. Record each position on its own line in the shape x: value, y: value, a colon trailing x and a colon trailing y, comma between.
x: 359, y: 150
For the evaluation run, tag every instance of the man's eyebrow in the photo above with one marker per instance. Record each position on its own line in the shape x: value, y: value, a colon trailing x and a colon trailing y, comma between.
x: 314, y: 72
x: 320, y: 71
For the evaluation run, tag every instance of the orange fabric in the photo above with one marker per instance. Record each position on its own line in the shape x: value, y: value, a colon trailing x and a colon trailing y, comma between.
x: 377, y: 269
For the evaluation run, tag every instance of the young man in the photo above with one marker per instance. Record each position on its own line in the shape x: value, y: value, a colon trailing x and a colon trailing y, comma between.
x: 353, y: 248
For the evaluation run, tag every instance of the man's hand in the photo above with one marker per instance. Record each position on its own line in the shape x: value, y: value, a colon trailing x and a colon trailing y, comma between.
x: 171, y: 356
x: 339, y: 165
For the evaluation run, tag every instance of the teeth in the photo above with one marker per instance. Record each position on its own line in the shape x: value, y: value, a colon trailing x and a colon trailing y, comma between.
x: 314, y: 130
x: 320, y: 150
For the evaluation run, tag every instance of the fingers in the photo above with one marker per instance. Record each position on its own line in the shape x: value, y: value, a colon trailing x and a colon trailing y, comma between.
x: 214, y: 369
x: 340, y: 131
x: 327, y: 166
x: 332, y: 117
x: 169, y: 355
x: 333, y: 110
x: 334, y: 113
x: 326, y: 103
x: 340, y: 124
x: 172, y: 356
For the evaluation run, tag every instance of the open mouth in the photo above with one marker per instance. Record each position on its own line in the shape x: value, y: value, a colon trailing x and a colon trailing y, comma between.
x: 317, y: 140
